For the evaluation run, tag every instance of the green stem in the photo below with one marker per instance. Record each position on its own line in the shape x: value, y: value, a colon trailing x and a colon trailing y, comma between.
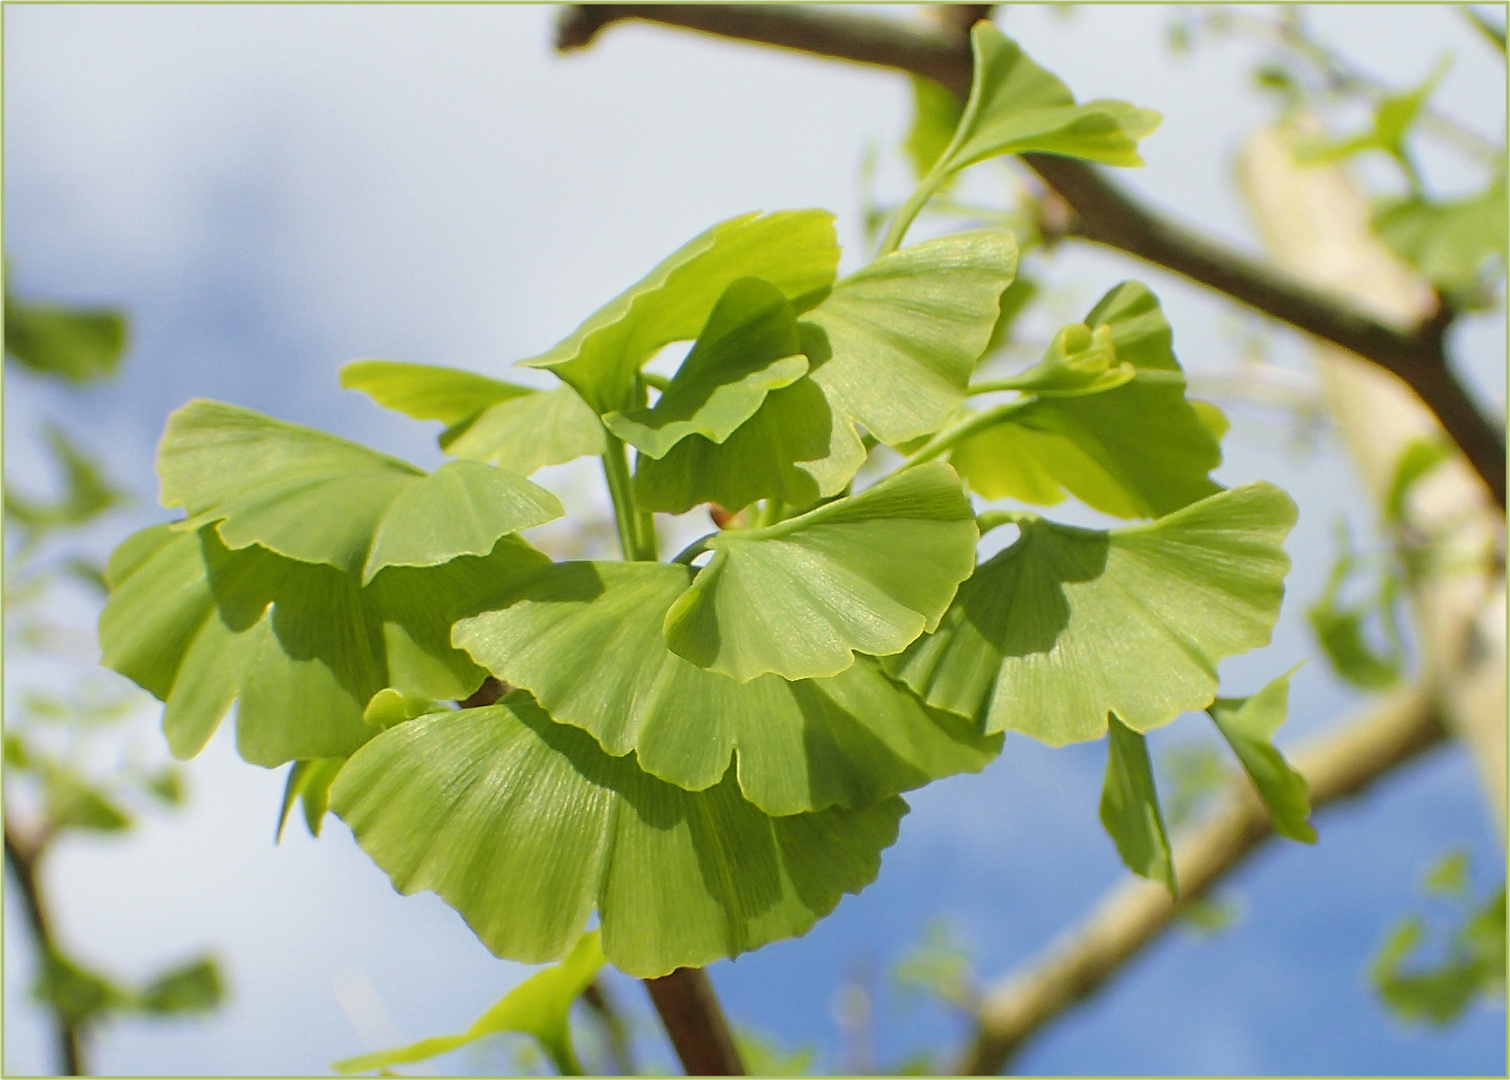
x: 693, y: 550
x: 995, y: 519
x: 636, y: 529
x: 949, y: 438
x: 991, y: 386
x: 908, y: 213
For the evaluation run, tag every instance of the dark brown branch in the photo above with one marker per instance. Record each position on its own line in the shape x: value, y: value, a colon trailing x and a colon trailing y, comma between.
x: 1337, y: 765
x: 1102, y: 212
x: 23, y: 859
x: 689, y: 1008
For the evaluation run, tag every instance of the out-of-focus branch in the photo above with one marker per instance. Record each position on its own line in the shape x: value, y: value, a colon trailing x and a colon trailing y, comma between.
x: 695, y: 1022
x: 1338, y: 765
x: 24, y: 857
x: 620, y: 1046
x: 1100, y: 211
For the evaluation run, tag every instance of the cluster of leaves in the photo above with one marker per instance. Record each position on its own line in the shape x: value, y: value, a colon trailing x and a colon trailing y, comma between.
x: 710, y: 752
x: 1472, y: 963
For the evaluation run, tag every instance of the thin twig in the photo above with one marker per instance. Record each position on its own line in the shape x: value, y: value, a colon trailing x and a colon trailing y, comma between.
x: 620, y: 1046
x: 1102, y: 212
x: 23, y: 859
x: 695, y: 1022
x: 1338, y: 765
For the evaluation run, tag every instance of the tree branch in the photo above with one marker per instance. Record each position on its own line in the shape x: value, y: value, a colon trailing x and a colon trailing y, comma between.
x: 689, y: 1008
x: 1338, y: 765
x: 1102, y: 212
x: 23, y: 859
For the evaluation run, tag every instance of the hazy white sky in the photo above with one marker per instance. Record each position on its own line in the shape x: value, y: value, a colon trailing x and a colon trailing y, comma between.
x: 274, y: 190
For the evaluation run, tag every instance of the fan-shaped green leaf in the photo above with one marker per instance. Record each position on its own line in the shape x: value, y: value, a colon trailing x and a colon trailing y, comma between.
x: 748, y: 347
x: 302, y: 645
x: 867, y: 573
x: 428, y: 392
x: 527, y: 433
x: 1139, y: 449
x: 1130, y: 807
x: 525, y: 826
x: 1067, y: 624
x: 794, y: 250
x: 1079, y: 361
x: 1459, y: 246
x: 539, y: 1006
x: 320, y: 499
x: 1248, y: 724
x: 935, y: 116
x: 585, y: 639
x: 77, y: 345
x: 309, y: 782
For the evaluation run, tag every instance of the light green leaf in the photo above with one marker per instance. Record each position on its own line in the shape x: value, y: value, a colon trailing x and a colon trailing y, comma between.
x: 390, y: 706
x: 1458, y: 246
x: 867, y: 573
x: 530, y: 432
x: 539, y: 1006
x: 75, y: 992
x: 1449, y: 875
x: 73, y: 804
x: 77, y: 345
x: 1130, y: 807
x: 302, y: 645
x: 900, y: 338
x: 427, y: 392
x: 1394, y: 117
x: 794, y: 250
x: 763, y: 1056
x: 1248, y: 724
x: 1068, y: 624
x: 748, y: 347
x: 1474, y: 966
x: 935, y: 116
x: 195, y: 987
x: 1138, y: 450
x: 1078, y: 361
x: 585, y: 639
x: 320, y: 499
x: 87, y: 493
x: 1419, y: 457
x: 525, y: 826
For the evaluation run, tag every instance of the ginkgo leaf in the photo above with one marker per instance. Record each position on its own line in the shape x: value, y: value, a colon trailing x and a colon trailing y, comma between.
x: 1459, y: 246
x: 935, y: 116
x: 794, y: 250
x: 539, y: 1006
x: 1248, y: 724
x: 428, y: 392
x: 549, y: 427
x: 900, y: 338
x: 320, y: 499
x: 77, y: 345
x: 1139, y: 449
x: 309, y: 783
x: 1069, y: 624
x: 867, y: 573
x: 585, y: 639
x: 1078, y: 361
x: 748, y: 347
x: 524, y: 826
x: 301, y: 645
x: 1130, y: 807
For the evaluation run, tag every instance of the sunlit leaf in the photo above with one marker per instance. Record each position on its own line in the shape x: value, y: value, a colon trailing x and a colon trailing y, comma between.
x: 72, y: 803
x: 303, y: 646
x: 1459, y: 246
x: 1394, y: 117
x: 320, y: 499
x: 748, y: 347
x: 1139, y: 449
x: 1130, y: 807
x: 1248, y: 724
x: 77, y: 345
x: 794, y: 250
x: 525, y: 826
x: 427, y: 392
x: 1067, y: 624
x: 585, y: 639
x: 939, y: 965
x: 935, y: 115
x: 1078, y: 361
x: 1439, y: 994
x: 1339, y: 628
x: 309, y: 782
x: 195, y: 987
x: 868, y: 573
x: 86, y: 495
x: 540, y: 1006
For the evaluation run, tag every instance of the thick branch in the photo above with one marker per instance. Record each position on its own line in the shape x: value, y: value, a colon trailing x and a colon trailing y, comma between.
x: 695, y: 1022
x: 23, y: 859
x: 1337, y: 765
x: 1102, y: 212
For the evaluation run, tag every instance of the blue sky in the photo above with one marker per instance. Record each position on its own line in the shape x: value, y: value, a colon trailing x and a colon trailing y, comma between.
x: 272, y: 191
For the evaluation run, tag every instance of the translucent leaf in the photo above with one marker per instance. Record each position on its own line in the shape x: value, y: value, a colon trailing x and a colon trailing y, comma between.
x: 1474, y: 965
x: 867, y: 573
x: 585, y: 639
x: 302, y: 645
x: 1068, y: 624
x: 525, y: 826
x: 1248, y: 724
x: 530, y: 432
x: 748, y: 347
x: 1130, y: 807
x: 320, y: 499
x: 77, y: 345
x: 309, y: 782
x: 935, y: 115
x: 1459, y: 246
x: 795, y: 250
x: 427, y: 392
x: 75, y: 992
x: 540, y: 1006
x: 73, y: 804
x: 1078, y: 361
x: 1139, y: 449
x: 195, y: 987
